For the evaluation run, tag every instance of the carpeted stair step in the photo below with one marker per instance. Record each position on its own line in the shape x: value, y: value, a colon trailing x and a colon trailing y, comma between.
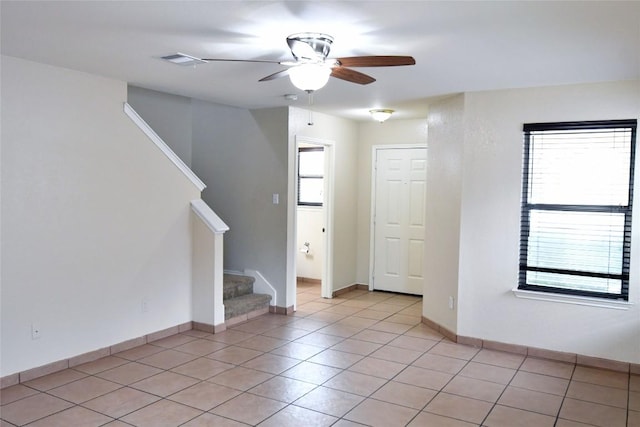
x: 236, y: 285
x: 245, y: 304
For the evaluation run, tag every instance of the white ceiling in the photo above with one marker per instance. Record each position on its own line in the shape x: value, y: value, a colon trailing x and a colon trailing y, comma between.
x: 458, y: 46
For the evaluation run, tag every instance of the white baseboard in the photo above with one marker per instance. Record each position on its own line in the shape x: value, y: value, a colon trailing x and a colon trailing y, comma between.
x: 262, y: 285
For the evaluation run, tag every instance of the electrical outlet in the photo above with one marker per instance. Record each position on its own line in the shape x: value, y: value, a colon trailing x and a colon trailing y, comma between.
x: 144, y: 306
x: 35, y: 331
x: 451, y: 303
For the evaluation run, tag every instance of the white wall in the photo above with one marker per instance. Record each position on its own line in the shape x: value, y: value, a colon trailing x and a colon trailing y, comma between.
x: 444, y: 193
x: 94, y: 219
x: 343, y: 134
x: 391, y: 132
x: 310, y: 223
x: 489, y: 229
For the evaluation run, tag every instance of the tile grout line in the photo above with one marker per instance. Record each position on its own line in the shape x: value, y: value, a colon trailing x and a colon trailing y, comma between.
x: 316, y: 386
x: 628, y: 397
x: 452, y: 378
x: 345, y: 369
x: 504, y: 390
x: 437, y: 391
x: 564, y: 397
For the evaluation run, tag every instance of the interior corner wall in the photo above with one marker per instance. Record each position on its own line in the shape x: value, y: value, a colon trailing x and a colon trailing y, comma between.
x: 95, y: 219
x: 391, y: 132
x: 343, y: 133
x: 490, y: 214
x: 241, y: 155
x: 443, y: 204
x: 168, y: 115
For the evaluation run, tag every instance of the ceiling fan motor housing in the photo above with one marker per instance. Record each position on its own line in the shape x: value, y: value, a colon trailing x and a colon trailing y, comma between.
x: 318, y: 42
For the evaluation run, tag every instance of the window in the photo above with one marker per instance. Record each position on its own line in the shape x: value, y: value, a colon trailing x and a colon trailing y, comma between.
x: 577, y: 192
x: 310, y: 176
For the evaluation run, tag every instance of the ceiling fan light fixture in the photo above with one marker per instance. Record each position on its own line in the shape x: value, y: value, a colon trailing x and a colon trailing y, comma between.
x: 309, y: 77
x: 381, y: 114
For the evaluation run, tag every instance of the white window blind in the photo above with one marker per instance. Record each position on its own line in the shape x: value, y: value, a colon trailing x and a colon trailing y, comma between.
x: 576, y: 207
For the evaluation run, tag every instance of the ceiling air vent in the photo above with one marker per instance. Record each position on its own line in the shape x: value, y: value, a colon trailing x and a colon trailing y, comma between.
x: 182, y: 59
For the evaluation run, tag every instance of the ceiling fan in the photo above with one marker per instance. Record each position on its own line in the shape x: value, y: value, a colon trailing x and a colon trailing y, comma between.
x: 311, y: 68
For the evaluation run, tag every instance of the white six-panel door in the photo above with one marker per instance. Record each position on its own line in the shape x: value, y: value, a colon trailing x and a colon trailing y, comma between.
x: 398, y: 222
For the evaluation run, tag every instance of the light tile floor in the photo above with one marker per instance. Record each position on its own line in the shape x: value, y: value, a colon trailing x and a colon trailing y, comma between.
x: 358, y: 359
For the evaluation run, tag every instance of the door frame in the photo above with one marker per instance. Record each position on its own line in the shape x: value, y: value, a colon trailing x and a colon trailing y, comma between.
x: 374, y: 163
x: 328, y: 217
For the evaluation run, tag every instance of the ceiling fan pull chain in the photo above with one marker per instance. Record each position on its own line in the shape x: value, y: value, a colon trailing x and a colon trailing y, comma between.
x: 310, y: 121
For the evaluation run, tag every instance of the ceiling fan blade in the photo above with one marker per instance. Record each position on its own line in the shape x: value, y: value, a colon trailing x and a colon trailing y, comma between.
x: 267, y: 61
x: 352, y: 76
x: 282, y: 73
x: 376, y: 61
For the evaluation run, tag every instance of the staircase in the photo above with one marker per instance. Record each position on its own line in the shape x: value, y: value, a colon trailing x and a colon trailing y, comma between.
x: 240, y: 303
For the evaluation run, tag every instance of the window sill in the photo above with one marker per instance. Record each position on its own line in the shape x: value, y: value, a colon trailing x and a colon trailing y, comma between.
x: 573, y: 299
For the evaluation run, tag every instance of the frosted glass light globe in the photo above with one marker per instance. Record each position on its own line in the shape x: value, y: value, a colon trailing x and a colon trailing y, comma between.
x: 309, y: 77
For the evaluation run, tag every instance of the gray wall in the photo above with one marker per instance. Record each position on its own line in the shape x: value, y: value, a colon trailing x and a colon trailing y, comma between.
x: 168, y: 115
x: 242, y: 157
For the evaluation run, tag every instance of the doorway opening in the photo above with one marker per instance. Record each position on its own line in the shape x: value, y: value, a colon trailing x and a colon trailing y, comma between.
x: 313, y: 199
x: 310, y: 214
